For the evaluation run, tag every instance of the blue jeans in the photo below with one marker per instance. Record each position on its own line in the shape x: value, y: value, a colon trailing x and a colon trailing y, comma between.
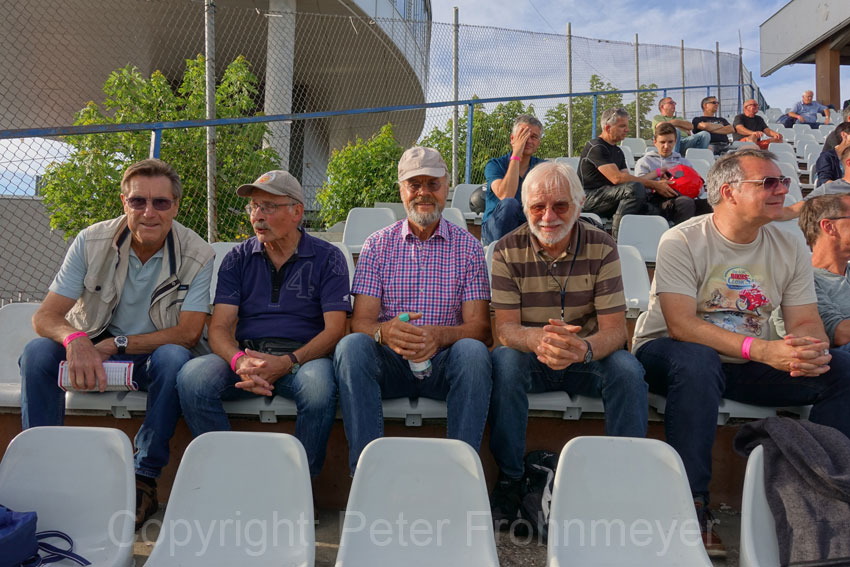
x: 505, y: 217
x: 368, y: 372
x: 617, y: 378
x: 43, y: 402
x: 698, y: 140
x: 208, y: 380
x: 694, y: 380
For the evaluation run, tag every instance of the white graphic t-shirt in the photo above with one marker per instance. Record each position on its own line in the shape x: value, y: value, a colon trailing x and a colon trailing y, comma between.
x: 736, y: 286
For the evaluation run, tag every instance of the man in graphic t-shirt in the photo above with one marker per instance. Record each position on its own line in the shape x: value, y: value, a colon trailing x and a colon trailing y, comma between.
x: 717, y: 279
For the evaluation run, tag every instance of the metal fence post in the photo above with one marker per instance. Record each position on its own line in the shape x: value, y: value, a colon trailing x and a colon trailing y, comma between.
x: 455, y: 56
x: 209, y: 54
x: 682, y: 65
x: 637, y: 87
x: 156, y: 143
x: 593, y: 125
x: 717, y: 59
x: 468, y: 175
x: 569, y: 88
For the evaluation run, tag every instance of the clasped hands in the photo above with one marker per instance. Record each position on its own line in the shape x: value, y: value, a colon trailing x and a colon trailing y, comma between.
x: 259, y: 371
x: 413, y: 342
x: 557, y: 345
x: 801, y: 356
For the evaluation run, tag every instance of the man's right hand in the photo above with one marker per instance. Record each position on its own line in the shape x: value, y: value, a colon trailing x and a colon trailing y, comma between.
x: 403, y: 338
x: 800, y: 356
x: 85, y: 365
x: 663, y: 188
x: 519, y: 140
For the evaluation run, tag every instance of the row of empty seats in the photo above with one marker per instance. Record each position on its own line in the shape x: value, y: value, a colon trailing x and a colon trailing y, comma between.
x: 413, y: 502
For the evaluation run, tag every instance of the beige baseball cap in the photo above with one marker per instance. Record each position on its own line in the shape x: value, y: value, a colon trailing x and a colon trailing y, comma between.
x: 277, y: 182
x: 421, y: 161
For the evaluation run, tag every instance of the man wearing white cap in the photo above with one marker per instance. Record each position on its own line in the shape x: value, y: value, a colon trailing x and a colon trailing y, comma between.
x: 280, y: 308
x: 421, y: 295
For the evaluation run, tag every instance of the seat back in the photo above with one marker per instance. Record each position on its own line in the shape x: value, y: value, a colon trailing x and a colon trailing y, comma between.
x: 455, y: 216
x: 362, y: 222
x: 637, y: 145
x: 460, y: 198
x: 15, y: 332
x: 630, y: 158
x: 248, y: 478
x: 488, y: 257
x: 635, y: 278
x: 433, y: 486
x: 701, y: 166
x: 349, y: 261
x: 643, y: 232
x: 397, y: 208
x: 572, y: 161
x: 759, y: 545
x: 221, y: 249
x: 608, y: 487
x: 700, y: 153
x: 79, y: 480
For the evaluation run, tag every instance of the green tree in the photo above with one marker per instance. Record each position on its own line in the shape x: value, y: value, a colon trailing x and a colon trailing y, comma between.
x: 84, y: 189
x: 491, y: 133
x: 359, y: 174
x: 647, y: 108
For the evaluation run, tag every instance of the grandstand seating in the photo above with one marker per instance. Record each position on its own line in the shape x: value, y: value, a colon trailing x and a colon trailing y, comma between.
x: 759, y: 544
x: 643, y: 232
x: 637, y: 145
x: 460, y: 199
x: 455, y: 216
x: 396, y: 208
x: 635, y: 280
x: 630, y: 158
x: 15, y: 332
x: 701, y: 166
x: 571, y: 161
x: 362, y: 222
x: 700, y: 153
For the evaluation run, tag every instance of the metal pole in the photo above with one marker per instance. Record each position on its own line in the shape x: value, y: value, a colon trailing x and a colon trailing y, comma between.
x: 209, y: 50
x: 637, y: 86
x: 468, y: 175
x: 682, y: 65
x: 156, y: 143
x: 569, y: 88
x: 593, y: 127
x: 717, y: 59
x: 455, y: 113
x: 740, y: 72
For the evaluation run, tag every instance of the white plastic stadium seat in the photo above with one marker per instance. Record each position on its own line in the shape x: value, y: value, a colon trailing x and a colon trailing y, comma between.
x: 594, y: 216
x: 460, y: 199
x: 428, y: 498
x: 349, y: 260
x: 221, y: 249
x: 701, y: 166
x: 361, y: 222
x: 630, y: 158
x: 637, y: 145
x: 455, y: 216
x: 571, y: 161
x: 636, y: 283
x: 15, y: 332
x: 80, y: 481
x: 700, y: 153
x: 643, y: 232
x: 608, y: 487
x: 488, y: 257
x: 759, y: 545
x: 251, y: 479
x: 397, y: 208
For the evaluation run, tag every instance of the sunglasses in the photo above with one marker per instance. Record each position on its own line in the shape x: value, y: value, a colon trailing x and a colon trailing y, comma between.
x: 559, y: 208
x: 770, y: 183
x: 140, y: 203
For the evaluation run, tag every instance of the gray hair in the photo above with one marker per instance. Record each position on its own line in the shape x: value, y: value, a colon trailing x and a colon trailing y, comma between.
x: 727, y: 169
x: 845, y: 114
x: 552, y: 176
x: 528, y: 119
x: 152, y: 168
x: 819, y: 208
x: 612, y: 115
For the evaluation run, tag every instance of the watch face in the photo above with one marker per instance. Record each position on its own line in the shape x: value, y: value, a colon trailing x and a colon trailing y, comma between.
x: 295, y: 368
x: 121, y: 341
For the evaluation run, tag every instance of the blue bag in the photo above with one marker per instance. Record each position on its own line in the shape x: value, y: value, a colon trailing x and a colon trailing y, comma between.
x: 20, y: 544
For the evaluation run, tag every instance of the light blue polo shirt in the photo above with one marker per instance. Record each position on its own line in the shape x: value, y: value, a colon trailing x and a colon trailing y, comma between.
x: 132, y: 315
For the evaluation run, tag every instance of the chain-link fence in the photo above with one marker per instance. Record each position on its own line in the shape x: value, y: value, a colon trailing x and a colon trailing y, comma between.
x: 88, y: 62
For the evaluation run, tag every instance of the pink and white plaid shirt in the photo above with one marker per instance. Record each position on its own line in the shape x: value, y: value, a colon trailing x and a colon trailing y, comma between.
x: 434, y: 277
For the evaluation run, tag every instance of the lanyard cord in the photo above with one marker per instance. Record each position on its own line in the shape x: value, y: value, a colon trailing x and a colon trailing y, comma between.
x: 563, y: 288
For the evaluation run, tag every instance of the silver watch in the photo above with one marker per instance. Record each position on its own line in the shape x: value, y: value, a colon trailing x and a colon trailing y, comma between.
x: 588, y: 356
x: 121, y: 343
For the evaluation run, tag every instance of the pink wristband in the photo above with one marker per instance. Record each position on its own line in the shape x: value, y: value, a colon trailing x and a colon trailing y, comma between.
x: 745, y: 347
x: 516, y: 158
x: 236, y: 357
x: 73, y: 337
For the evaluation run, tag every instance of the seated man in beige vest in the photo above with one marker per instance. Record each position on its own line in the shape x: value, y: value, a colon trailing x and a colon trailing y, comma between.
x: 134, y: 288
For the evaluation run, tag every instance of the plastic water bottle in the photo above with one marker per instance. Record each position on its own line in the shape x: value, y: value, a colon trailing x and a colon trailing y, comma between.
x: 421, y: 370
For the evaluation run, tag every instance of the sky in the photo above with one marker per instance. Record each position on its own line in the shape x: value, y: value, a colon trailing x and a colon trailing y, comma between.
x: 700, y: 24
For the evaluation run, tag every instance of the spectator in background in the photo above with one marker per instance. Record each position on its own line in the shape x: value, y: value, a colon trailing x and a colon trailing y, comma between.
x: 806, y: 111
x: 656, y: 163
x: 684, y: 141
x: 717, y: 126
x: 834, y: 138
x: 826, y: 223
x: 609, y: 186
x: 505, y: 175
x: 828, y: 166
x: 749, y: 127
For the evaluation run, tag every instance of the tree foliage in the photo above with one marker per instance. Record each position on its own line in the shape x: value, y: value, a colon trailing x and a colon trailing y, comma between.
x: 359, y: 174
x: 84, y: 188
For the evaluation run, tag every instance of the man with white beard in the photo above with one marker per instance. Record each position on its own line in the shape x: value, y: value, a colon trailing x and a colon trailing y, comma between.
x: 421, y: 321
x: 560, y: 316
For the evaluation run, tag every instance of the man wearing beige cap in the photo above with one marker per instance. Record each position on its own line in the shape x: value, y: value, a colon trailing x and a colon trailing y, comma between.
x: 421, y: 318
x: 280, y: 308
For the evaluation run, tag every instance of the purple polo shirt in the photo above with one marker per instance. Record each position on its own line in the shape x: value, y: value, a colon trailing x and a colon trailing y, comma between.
x: 314, y: 282
x: 434, y: 277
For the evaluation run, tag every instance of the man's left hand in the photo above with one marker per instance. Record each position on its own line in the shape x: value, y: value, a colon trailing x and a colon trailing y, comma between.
x: 106, y: 348
x: 432, y: 343
x: 260, y: 371
x: 561, y: 345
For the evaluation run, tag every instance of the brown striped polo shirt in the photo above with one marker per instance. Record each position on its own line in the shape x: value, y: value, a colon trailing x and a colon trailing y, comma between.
x: 526, y: 278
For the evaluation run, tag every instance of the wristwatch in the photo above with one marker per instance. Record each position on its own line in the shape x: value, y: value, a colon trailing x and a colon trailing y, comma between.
x: 120, y: 343
x: 295, y: 365
x: 588, y: 356
x: 378, y: 333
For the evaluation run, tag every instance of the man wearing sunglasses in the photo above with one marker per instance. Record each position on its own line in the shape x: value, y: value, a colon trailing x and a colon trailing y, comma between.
x: 280, y: 308
x: 685, y: 139
x: 134, y: 288
x: 706, y: 336
x: 717, y: 126
x: 560, y: 316
x: 750, y: 127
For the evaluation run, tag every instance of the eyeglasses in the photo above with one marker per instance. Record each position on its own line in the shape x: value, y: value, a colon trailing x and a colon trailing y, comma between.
x: 432, y: 186
x: 559, y: 208
x: 712, y: 102
x: 141, y: 203
x: 770, y: 183
x: 266, y: 208
x: 838, y: 218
